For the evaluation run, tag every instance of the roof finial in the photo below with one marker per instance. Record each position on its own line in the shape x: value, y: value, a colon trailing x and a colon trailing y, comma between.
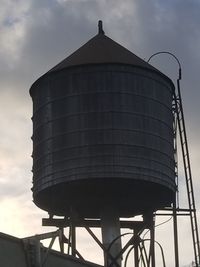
x: 100, y: 25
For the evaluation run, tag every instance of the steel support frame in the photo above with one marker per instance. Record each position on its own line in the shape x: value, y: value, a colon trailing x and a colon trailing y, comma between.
x: 137, y: 226
x: 135, y: 241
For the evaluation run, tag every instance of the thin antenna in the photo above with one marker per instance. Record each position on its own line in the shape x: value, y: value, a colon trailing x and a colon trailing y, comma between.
x: 100, y: 26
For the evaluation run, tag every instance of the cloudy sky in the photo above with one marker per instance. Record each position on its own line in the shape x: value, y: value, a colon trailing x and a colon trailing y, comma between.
x: 36, y: 34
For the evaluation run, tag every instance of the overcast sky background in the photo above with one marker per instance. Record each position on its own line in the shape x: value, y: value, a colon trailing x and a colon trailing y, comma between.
x: 36, y: 34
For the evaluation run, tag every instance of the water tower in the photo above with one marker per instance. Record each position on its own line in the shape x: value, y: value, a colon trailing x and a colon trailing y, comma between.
x: 103, y: 144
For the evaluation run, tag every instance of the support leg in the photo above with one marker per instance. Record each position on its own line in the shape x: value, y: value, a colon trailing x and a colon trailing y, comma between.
x: 110, y: 231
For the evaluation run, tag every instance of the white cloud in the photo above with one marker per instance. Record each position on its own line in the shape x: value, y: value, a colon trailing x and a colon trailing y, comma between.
x: 13, y: 17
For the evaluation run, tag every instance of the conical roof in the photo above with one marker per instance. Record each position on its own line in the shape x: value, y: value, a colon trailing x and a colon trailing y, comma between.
x: 99, y: 50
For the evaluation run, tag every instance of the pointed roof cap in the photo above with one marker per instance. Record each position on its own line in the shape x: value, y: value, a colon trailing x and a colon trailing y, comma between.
x: 101, y: 50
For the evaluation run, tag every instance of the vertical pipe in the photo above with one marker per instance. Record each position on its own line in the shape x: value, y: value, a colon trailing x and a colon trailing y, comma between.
x: 111, y: 231
x: 61, y: 242
x: 73, y: 230
x: 175, y: 236
x: 73, y: 238
x: 136, y: 244
x: 152, y: 242
x: 136, y: 257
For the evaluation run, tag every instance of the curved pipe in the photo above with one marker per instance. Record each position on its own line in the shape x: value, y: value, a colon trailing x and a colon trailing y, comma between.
x: 169, y: 53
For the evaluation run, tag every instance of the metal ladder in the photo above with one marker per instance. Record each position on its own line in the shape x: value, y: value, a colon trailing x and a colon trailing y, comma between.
x: 187, y: 170
x: 178, y: 114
